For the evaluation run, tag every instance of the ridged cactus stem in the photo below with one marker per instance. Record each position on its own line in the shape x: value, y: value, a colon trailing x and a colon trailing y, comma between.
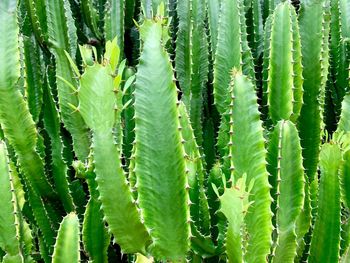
x: 199, y: 69
x: 199, y: 205
x: 215, y: 178
x: 191, y: 61
x: 213, y: 7
x: 9, y: 224
x: 183, y: 58
x: 232, y: 51
x: 33, y: 73
x: 248, y: 157
x: 345, y: 179
x: 101, y: 112
x: 59, y: 166
x: 312, y: 25
x: 325, y: 243
x: 258, y: 30
x: 234, y: 205
x: 344, y: 124
x: 287, y: 179
x: 22, y: 136
x: 37, y: 16
x: 61, y: 33
x: 150, y: 7
x: 94, y: 233
x: 283, y: 92
x: 67, y: 247
x: 114, y: 21
x: 160, y: 166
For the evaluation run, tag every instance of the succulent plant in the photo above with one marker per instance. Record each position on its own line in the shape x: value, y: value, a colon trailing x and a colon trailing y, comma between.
x: 174, y: 131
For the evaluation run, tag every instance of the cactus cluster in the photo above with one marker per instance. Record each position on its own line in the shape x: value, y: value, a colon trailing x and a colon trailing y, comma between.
x: 174, y: 131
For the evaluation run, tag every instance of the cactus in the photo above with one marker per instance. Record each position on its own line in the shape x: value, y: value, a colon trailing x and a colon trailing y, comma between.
x: 192, y: 59
x: 95, y: 235
x: 170, y: 235
x: 339, y: 53
x: 231, y: 51
x: 237, y: 151
x: 33, y: 69
x: 9, y: 238
x: 150, y: 7
x: 114, y: 21
x: 199, y: 207
x: 173, y: 131
x: 107, y: 162
x: 344, y: 124
x: 38, y: 20
x: 284, y: 77
x: 60, y: 29
x: 313, y: 43
x: 234, y: 205
x: 213, y: 8
x: 258, y: 30
x: 326, y: 238
x: 67, y: 243
x: 23, y: 138
x: 59, y: 167
x: 287, y: 180
x: 345, y: 179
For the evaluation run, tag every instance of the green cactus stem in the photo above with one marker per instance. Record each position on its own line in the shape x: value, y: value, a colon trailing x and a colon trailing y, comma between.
x: 101, y: 112
x: 287, y: 180
x: 243, y: 151
x: 325, y: 242
x: 160, y: 166
x: 67, y: 247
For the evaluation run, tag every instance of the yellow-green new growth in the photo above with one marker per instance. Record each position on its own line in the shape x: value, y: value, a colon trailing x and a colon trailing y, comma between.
x: 234, y: 204
x: 100, y: 106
